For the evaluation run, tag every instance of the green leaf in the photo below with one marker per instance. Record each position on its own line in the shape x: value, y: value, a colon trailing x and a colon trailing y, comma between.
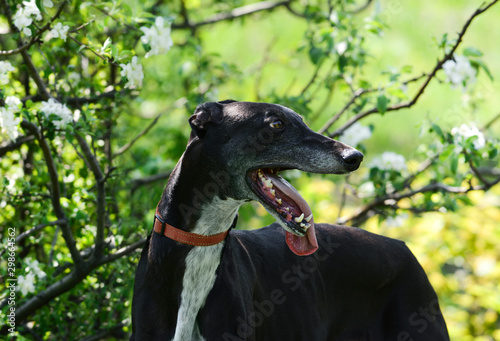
x: 454, y: 163
x: 479, y: 64
x: 437, y: 130
x: 315, y: 54
x: 407, y: 69
x: 472, y: 52
x: 382, y: 102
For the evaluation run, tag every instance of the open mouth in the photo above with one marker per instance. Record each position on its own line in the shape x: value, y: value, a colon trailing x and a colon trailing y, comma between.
x: 283, y: 202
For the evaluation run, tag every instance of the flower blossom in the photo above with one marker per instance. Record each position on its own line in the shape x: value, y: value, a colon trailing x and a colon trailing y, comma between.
x: 48, y: 3
x: 133, y: 72
x: 26, y: 284
x: 158, y: 37
x: 33, y: 266
x: 465, y: 132
x: 30, y: 9
x: 8, y: 122
x: 459, y: 72
x: 396, y: 221
x: 5, y: 67
x: 63, y: 114
x: 23, y: 17
x: 59, y: 31
x: 355, y: 134
x: 389, y: 161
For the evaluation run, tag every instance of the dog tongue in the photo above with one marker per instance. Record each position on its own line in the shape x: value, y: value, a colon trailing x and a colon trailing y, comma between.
x: 307, y: 244
x: 302, y: 246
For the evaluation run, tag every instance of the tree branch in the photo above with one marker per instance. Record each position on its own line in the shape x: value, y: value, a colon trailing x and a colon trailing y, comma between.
x: 101, y: 196
x: 235, y: 13
x: 392, y: 198
x: 56, y: 193
x: 136, y: 183
x: 43, y: 297
x: 36, y: 36
x: 127, y: 146
x: 422, y: 88
x: 4, y: 149
x: 122, y: 252
x: 38, y: 228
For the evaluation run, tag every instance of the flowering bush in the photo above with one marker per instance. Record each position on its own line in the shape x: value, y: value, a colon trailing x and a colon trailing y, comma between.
x: 94, y: 101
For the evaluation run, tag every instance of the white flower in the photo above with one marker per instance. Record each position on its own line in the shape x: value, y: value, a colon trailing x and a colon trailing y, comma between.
x: 158, y: 37
x: 22, y: 21
x: 74, y: 77
x: 484, y: 265
x: 389, y: 161
x: 367, y: 189
x: 464, y: 132
x: 33, y: 266
x: 64, y: 115
x: 396, y: 221
x: 133, y: 72
x: 23, y: 17
x: 106, y: 44
x: 48, y: 3
x: 4, y: 68
x: 8, y: 122
x: 13, y: 103
x: 459, y: 72
x: 30, y: 9
x: 26, y: 284
x: 341, y: 47
x: 59, y: 31
x: 355, y: 134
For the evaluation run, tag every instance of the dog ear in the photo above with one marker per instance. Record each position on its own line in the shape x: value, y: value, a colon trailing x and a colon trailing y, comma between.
x: 205, y: 114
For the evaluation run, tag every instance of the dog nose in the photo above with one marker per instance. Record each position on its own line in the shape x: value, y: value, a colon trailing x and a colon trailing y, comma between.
x: 352, y: 158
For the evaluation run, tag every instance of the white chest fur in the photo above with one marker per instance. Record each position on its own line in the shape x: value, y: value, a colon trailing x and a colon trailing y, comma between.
x: 201, y: 265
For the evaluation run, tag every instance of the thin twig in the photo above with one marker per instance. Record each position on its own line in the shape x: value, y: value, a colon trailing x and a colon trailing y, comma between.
x: 235, y: 13
x: 491, y: 122
x: 362, y: 7
x: 122, y: 252
x: 5, y: 148
x: 37, y: 228
x: 395, y: 197
x: 136, y: 183
x: 127, y: 146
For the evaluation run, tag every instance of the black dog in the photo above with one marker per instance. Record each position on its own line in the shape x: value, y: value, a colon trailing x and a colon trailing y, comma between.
x: 197, y: 281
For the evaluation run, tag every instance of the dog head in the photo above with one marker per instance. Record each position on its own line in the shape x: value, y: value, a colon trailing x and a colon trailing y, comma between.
x: 252, y: 142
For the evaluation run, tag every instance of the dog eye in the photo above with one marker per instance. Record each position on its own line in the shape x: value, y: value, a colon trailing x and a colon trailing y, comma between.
x: 276, y: 124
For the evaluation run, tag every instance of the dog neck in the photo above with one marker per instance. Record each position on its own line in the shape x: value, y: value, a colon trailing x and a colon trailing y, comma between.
x: 193, y: 199
x: 192, y: 202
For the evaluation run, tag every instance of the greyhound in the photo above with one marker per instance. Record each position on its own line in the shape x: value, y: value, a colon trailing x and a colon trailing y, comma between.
x: 291, y: 280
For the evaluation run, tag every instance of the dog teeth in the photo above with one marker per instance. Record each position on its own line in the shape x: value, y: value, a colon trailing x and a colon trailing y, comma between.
x: 305, y: 226
x: 268, y: 183
x: 308, y: 219
x: 278, y: 200
x: 273, y: 192
x: 299, y: 219
x: 287, y: 208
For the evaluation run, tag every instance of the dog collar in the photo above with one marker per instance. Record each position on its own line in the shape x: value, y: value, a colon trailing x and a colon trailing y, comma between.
x: 188, y: 238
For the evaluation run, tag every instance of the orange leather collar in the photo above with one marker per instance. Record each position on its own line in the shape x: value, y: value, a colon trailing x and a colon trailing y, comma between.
x: 184, y: 237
